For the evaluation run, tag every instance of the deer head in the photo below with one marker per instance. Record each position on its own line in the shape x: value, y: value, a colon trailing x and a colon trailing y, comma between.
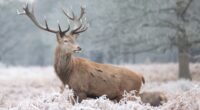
x: 65, y: 38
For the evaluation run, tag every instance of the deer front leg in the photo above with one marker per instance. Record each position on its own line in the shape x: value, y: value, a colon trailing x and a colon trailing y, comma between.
x: 80, y: 96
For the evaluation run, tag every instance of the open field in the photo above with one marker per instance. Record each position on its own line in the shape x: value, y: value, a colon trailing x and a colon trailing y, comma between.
x: 37, y: 88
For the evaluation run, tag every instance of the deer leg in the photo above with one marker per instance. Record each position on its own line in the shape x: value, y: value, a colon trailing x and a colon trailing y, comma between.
x: 118, y: 98
x: 81, y: 96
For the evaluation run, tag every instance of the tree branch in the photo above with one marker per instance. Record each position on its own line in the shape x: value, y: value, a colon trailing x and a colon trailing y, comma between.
x: 163, y: 24
x: 186, y: 8
x: 196, y: 19
x: 195, y: 42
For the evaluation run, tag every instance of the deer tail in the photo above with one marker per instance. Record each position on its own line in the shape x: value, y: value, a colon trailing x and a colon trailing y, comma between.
x: 143, y: 80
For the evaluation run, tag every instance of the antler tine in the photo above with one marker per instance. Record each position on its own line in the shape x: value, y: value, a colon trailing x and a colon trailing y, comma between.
x: 82, y: 13
x: 73, y: 31
x: 30, y: 14
x: 24, y: 8
x: 82, y: 30
x: 60, y: 30
x: 47, y: 27
x: 67, y: 29
x: 68, y: 16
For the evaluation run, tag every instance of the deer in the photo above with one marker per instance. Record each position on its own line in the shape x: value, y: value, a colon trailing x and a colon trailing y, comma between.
x: 86, y: 78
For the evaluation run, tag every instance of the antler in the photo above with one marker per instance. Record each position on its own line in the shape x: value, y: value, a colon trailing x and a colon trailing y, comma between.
x: 31, y: 15
x: 81, y: 27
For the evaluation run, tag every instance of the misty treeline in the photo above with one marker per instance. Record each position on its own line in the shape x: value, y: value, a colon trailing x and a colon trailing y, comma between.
x: 130, y: 31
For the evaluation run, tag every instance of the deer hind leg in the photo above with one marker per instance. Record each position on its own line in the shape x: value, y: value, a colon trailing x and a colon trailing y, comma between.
x: 118, y: 98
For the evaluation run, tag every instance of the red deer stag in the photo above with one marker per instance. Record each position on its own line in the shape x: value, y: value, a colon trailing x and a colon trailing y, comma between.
x: 86, y: 78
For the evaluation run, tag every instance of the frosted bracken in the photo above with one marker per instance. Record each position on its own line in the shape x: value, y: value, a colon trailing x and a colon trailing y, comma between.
x: 37, y: 88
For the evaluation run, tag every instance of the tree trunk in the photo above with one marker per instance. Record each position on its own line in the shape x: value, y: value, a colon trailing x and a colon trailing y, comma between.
x: 184, y: 71
x: 183, y: 55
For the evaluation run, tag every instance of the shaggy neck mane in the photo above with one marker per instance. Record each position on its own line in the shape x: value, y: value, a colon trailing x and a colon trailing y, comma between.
x: 63, y: 65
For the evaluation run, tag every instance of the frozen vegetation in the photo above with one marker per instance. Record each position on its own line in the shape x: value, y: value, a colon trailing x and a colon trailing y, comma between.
x: 37, y: 88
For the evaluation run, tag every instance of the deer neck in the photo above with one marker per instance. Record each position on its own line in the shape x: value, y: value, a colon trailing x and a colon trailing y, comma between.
x: 63, y: 65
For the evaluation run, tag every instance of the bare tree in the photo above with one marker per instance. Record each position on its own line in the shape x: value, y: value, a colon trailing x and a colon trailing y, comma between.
x: 183, y: 38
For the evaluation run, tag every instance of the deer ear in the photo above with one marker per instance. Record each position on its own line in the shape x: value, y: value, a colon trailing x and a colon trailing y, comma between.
x: 59, y: 38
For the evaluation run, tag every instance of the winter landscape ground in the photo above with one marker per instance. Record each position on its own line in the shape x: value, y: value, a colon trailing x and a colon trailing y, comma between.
x: 37, y: 88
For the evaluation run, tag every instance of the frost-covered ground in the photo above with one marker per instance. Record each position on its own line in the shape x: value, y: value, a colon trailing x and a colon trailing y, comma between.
x: 36, y: 88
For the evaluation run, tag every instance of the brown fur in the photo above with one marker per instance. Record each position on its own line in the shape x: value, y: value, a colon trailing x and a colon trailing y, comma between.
x: 90, y: 79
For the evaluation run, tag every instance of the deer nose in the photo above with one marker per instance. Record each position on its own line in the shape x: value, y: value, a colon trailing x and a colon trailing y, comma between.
x: 79, y: 48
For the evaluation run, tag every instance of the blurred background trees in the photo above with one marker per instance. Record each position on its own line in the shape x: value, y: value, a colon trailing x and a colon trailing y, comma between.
x: 184, y: 29
x: 120, y: 32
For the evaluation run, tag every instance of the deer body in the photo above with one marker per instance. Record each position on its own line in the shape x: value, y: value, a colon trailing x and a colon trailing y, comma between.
x: 90, y: 79
x: 86, y: 78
